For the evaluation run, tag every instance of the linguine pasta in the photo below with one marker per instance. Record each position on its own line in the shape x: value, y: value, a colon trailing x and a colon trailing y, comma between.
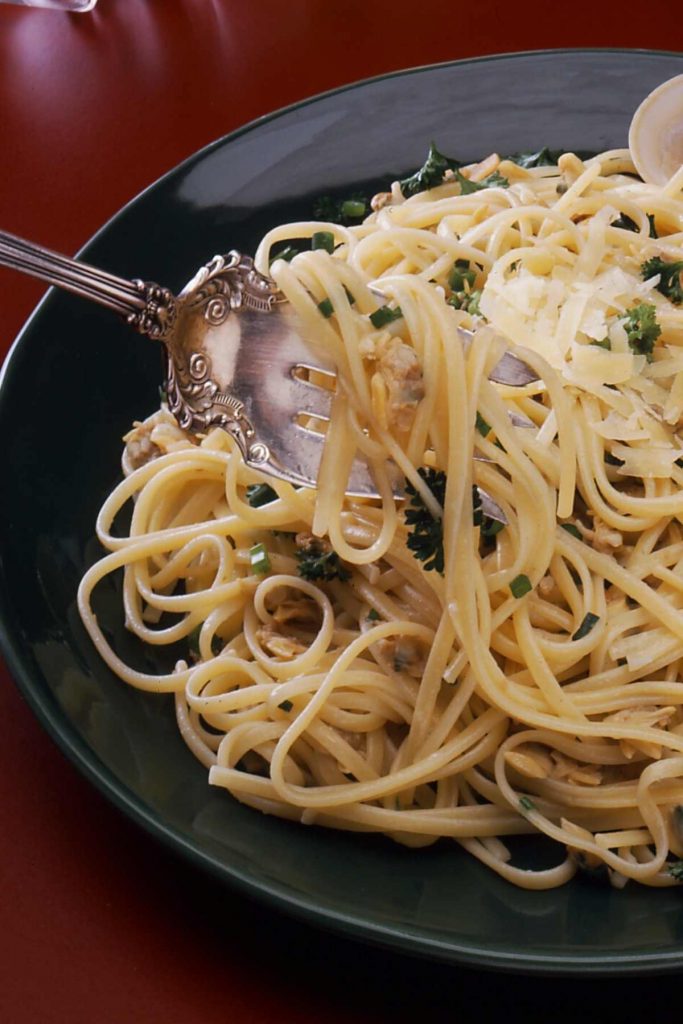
x: 528, y: 680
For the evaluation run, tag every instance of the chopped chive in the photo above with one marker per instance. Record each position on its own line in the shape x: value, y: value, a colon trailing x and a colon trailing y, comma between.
x: 287, y: 254
x: 571, y: 528
x: 323, y: 240
x: 490, y: 527
x: 385, y: 315
x: 526, y: 803
x: 260, y: 494
x: 326, y: 308
x: 604, y: 343
x: 584, y: 629
x: 521, y: 585
x: 286, y: 705
x: 373, y: 615
x: 352, y: 208
x: 482, y: 426
x: 259, y: 560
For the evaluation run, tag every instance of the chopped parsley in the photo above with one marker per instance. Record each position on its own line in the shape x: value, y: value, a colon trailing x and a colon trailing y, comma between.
x: 521, y: 585
x: 542, y: 158
x: 495, y: 180
x: 628, y: 224
x: 482, y: 426
x: 670, y: 283
x: 675, y: 869
x: 642, y: 329
x: 318, y: 562
x: 430, y: 174
x: 571, y: 528
x: 385, y: 315
x: 589, y: 620
x: 326, y: 308
x: 260, y: 494
x: 259, y: 560
x: 426, y: 532
x: 373, y: 615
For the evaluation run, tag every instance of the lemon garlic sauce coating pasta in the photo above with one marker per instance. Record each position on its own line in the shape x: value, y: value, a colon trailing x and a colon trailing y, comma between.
x: 418, y: 668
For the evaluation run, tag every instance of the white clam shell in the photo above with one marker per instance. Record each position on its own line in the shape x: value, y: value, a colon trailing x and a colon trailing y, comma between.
x: 656, y: 134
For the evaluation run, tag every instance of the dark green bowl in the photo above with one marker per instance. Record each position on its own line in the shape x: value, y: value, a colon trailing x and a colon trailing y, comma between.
x: 76, y: 378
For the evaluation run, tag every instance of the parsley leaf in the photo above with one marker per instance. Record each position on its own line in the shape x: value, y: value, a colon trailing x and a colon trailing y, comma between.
x: 642, y: 329
x: 670, y: 283
x: 318, y: 562
x: 426, y: 536
x: 495, y: 180
x: 675, y: 869
x: 430, y: 174
x: 542, y: 158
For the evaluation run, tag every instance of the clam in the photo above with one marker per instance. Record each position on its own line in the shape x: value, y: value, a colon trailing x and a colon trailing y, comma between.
x: 656, y: 134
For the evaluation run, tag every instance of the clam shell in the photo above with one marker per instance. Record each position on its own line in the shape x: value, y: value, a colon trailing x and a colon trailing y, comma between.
x: 656, y: 134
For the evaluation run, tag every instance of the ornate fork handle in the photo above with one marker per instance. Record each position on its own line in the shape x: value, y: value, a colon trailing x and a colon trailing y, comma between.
x: 147, y: 307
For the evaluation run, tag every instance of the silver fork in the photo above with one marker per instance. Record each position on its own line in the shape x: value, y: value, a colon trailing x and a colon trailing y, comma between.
x: 245, y: 373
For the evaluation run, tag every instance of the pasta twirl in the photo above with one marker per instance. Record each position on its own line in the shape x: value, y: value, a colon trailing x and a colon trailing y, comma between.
x: 420, y: 669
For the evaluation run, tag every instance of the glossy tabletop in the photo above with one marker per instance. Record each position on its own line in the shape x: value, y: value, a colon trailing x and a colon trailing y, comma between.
x: 98, y: 922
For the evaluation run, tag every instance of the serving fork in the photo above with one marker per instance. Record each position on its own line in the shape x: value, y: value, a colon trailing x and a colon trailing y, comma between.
x: 236, y: 356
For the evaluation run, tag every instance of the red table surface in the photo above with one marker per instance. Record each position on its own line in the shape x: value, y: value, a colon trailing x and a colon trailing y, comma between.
x: 98, y: 923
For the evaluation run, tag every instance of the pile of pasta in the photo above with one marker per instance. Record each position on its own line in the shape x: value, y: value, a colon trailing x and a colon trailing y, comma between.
x: 526, y: 677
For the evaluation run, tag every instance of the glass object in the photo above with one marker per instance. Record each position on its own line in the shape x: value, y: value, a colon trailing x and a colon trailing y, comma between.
x: 57, y: 5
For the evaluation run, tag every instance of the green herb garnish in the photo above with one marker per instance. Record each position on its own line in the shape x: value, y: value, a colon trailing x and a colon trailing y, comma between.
x: 323, y: 240
x: 642, y: 329
x: 373, y: 615
x: 287, y: 254
x: 260, y: 494
x: 341, y: 211
x: 571, y: 528
x: 461, y: 273
x: 526, y: 803
x: 521, y: 585
x: 430, y: 174
x: 426, y: 532
x: 589, y: 620
x: 628, y: 224
x: 495, y: 180
x: 542, y: 158
x: 318, y: 563
x: 286, y: 705
x: 385, y: 315
x: 469, y: 301
x: 675, y: 869
x: 259, y: 560
x: 482, y: 426
x: 670, y: 283
x: 326, y: 308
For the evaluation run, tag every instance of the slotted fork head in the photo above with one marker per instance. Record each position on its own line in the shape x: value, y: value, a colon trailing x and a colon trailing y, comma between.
x: 237, y: 355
